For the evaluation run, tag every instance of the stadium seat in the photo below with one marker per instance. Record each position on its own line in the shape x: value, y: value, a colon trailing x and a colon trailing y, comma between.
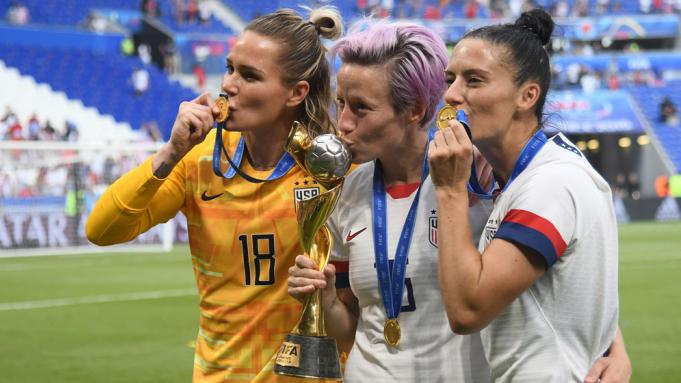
x: 101, y: 81
x: 29, y: 97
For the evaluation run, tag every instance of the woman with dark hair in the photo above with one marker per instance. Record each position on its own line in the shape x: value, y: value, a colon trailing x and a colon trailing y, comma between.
x: 542, y: 286
x: 241, y: 234
x: 381, y: 298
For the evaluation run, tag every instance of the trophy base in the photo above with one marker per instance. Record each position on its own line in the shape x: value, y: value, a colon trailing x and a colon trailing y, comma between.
x: 308, y: 357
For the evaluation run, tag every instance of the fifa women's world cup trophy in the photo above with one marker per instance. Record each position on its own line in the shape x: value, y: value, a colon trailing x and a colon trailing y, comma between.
x: 307, y: 351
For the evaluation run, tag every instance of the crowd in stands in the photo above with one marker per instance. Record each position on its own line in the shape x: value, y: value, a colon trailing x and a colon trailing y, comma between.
x: 471, y: 9
x: 11, y: 129
x: 184, y: 11
x: 659, y: 6
x: 668, y: 112
x: 17, y: 14
x: 579, y: 76
x: 627, y: 185
x: 422, y: 9
x: 101, y: 22
x: 51, y: 172
x: 198, y: 12
x: 140, y: 81
x: 185, y: 14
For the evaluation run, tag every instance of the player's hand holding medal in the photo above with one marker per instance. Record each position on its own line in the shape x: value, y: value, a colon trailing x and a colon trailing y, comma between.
x: 194, y: 120
x: 480, y: 172
x: 222, y: 104
x: 284, y: 164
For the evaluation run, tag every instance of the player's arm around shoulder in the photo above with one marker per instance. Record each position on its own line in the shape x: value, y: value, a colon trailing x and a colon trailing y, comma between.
x: 613, y: 368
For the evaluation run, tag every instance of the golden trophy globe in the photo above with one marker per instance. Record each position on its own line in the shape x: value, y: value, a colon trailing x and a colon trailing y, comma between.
x: 307, y: 351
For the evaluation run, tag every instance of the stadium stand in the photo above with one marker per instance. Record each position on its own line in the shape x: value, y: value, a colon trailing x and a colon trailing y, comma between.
x: 76, y: 12
x: 248, y: 10
x: 101, y: 81
x: 30, y: 98
x: 66, y: 12
x: 669, y: 135
x: 614, y: 65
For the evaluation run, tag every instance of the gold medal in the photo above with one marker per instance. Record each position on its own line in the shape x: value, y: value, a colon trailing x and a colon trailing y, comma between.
x: 392, y: 332
x: 445, y: 114
x: 223, y: 104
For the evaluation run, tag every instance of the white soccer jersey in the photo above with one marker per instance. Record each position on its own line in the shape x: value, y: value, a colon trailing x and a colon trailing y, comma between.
x: 428, y: 350
x: 562, y: 208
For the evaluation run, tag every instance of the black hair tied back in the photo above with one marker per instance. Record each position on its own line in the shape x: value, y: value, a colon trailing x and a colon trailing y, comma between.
x: 528, y: 57
x: 537, y: 22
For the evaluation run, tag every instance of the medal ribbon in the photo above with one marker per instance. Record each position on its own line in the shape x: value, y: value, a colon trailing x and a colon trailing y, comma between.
x: 532, y: 147
x: 474, y: 186
x: 526, y: 155
x: 285, y: 163
x: 391, y: 284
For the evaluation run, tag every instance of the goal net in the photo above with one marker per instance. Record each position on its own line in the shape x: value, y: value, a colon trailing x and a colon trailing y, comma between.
x: 47, y: 190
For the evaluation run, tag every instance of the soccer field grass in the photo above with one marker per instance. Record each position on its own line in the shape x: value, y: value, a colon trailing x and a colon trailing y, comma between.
x: 133, y: 317
x: 650, y: 299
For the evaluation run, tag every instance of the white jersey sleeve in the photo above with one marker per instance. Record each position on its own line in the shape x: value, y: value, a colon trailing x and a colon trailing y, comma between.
x: 561, y: 208
x: 542, y: 217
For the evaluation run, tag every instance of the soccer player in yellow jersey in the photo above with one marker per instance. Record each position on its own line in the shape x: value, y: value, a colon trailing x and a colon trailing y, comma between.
x: 242, y: 235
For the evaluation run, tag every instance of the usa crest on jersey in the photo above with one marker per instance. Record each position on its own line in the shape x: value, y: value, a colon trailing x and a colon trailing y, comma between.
x: 491, y: 229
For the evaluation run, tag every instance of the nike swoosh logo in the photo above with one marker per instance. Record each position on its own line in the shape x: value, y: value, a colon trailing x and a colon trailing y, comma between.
x: 351, y: 236
x: 205, y: 197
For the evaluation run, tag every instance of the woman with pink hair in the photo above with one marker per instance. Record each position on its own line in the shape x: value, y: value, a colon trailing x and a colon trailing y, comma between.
x: 381, y: 295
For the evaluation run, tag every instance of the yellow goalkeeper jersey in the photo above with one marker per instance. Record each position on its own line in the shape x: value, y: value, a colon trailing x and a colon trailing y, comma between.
x: 243, y: 238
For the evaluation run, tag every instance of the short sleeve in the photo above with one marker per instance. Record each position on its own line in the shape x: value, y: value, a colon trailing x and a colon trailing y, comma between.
x: 541, y: 215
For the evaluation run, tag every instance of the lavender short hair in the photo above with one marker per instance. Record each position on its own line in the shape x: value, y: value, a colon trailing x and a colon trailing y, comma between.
x: 415, y: 59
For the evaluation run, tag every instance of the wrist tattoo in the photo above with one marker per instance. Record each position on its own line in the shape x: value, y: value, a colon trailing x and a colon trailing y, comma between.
x: 163, y: 170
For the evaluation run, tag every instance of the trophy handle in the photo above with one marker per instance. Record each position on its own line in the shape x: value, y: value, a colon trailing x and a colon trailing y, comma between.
x: 298, y: 143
